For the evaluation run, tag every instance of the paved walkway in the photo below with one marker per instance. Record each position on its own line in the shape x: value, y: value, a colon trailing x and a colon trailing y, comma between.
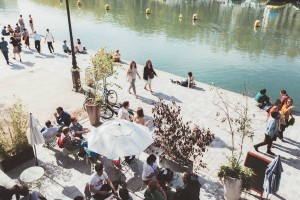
x: 43, y: 82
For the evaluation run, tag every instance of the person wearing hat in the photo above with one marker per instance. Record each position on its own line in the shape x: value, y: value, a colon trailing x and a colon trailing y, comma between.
x: 4, y: 32
x: 4, y: 49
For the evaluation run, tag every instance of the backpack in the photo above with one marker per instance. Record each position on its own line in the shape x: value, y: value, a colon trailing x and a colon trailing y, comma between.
x: 165, y: 174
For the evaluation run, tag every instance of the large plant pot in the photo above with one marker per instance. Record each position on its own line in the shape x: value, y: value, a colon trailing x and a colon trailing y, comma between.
x: 93, y: 113
x: 176, y: 167
x: 232, y: 188
x: 16, y: 160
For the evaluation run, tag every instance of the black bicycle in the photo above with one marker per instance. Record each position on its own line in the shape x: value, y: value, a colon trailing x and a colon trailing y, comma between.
x: 109, y: 106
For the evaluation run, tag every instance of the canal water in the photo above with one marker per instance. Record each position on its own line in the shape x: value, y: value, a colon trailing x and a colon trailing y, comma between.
x: 222, y: 47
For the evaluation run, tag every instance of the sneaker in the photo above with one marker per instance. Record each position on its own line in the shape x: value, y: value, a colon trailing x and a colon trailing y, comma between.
x: 271, y: 153
x: 256, y: 148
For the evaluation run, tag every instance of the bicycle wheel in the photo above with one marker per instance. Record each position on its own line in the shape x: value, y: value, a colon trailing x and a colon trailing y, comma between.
x: 106, y: 112
x: 112, y: 97
x: 86, y: 101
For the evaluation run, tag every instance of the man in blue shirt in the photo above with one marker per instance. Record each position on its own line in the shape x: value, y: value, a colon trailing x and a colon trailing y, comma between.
x: 65, y: 47
x: 4, y: 32
x: 37, y: 41
x: 62, y: 117
x: 271, y: 131
x: 4, y: 49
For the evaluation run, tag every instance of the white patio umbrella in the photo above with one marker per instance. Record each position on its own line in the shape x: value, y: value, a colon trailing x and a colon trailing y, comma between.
x: 34, y: 135
x: 119, y: 138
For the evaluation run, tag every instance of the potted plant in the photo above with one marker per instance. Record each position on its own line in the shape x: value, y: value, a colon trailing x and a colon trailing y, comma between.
x: 235, y: 176
x: 14, y: 147
x: 181, y: 143
x: 95, y: 76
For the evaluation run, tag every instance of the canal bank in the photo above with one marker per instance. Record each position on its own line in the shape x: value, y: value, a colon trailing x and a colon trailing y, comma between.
x: 43, y: 82
x: 220, y: 47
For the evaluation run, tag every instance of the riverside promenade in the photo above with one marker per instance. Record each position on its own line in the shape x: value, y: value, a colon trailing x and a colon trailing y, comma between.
x: 43, y: 82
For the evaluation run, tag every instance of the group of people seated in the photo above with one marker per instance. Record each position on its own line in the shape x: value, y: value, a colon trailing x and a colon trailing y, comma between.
x: 125, y: 113
x: 69, y: 133
x: 157, y: 180
x: 78, y: 48
x: 19, y: 192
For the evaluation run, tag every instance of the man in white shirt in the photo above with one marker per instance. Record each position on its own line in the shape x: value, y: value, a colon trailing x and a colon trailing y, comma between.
x: 123, y: 111
x: 49, y: 38
x: 97, y: 186
x: 49, y: 133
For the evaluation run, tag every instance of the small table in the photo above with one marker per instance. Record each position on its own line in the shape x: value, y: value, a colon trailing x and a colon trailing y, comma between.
x: 32, y: 174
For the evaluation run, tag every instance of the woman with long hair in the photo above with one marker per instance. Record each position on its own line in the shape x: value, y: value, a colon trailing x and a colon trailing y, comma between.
x: 139, y: 118
x: 148, y: 75
x: 131, y: 77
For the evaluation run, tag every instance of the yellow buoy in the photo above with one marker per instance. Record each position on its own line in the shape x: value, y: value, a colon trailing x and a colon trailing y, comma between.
x: 180, y: 16
x: 148, y: 11
x: 195, y: 17
x: 106, y: 7
x: 79, y: 2
x: 257, y: 23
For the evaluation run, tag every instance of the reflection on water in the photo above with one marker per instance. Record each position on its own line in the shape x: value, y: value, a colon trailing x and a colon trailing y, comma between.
x: 222, y: 46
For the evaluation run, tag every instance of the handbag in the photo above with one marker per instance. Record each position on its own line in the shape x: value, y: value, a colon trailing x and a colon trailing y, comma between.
x: 129, y: 78
x: 151, y: 75
x: 291, y: 121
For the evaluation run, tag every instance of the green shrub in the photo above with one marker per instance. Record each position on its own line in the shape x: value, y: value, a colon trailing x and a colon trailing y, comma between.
x: 13, y: 127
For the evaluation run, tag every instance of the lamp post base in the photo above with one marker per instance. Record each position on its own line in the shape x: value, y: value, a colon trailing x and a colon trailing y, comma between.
x: 76, y: 79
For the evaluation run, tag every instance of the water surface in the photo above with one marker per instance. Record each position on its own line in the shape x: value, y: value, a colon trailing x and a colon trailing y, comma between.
x: 221, y: 47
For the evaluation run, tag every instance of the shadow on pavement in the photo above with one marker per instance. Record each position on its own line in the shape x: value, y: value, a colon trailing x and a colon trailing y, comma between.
x: 16, y: 66
x: 29, y: 64
x: 167, y: 97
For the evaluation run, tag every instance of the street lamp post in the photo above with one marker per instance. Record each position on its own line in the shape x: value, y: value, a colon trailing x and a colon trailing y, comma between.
x: 75, y: 68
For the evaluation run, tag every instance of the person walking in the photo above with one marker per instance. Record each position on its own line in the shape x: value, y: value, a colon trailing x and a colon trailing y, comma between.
x: 131, y: 77
x: 148, y: 75
x: 25, y: 35
x: 22, y: 24
x: 31, y: 23
x: 286, y: 111
x: 37, y: 41
x: 50, y: 39
x: 4, y: 49
x: 271, y: 131
x: 16, y: 47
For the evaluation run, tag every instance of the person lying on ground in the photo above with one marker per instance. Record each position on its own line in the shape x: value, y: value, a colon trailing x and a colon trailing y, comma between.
x: 262, y: 99
x: 191, y: 188
x: 65, y: 47
x: 76, y: 129
x: 49, y: 133
x: 189, y: 82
